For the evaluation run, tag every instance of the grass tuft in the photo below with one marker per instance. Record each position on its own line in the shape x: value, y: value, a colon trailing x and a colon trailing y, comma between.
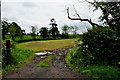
x: 46, y: 62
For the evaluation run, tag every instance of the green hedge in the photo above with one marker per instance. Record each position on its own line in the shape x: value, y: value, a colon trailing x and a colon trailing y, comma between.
x: 99, y: 46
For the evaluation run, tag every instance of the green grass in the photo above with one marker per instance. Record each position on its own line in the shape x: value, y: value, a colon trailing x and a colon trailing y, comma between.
x: 20, y: 57
x: 46, y: 62
x: 47, y: 45
x: 100, y: 72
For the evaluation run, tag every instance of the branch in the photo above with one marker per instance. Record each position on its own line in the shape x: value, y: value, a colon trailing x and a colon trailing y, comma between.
x: 93, y: 24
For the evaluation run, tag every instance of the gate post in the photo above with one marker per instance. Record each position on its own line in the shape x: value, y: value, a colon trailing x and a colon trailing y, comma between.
x: 8, y: 51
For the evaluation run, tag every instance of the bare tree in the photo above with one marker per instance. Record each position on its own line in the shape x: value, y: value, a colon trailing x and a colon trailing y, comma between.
x: 79, y: 18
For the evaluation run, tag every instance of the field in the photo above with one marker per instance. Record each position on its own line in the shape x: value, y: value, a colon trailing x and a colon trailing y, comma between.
x: 47, y: 45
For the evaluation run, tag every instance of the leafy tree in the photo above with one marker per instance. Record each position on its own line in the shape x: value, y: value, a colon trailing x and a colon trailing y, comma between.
x: 5, y: 28
x: 15, y: 30
x: 54, y: 30
x: 65, y: 30
x: 74, y: 30
x: 33, y: 31
x: 110, y: 13
x: 44, y: 32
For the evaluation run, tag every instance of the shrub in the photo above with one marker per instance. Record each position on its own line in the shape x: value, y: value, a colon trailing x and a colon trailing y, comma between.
x: 99, y: 46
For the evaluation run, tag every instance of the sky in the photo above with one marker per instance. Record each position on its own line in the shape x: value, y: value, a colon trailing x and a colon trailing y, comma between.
x: 38, y: 13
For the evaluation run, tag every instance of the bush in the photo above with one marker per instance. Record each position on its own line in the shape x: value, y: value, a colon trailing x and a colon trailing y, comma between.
x: 99, y: 46
x: 5, y: 56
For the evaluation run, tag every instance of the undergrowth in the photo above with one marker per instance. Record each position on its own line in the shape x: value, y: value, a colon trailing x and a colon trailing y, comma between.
x: 93, y: 71
x: 18, y: 58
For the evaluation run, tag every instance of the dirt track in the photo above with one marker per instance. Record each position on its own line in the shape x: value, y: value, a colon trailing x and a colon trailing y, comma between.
x: 57, y: 70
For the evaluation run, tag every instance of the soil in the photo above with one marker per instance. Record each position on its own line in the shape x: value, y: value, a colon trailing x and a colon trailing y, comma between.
x: 58, y: 68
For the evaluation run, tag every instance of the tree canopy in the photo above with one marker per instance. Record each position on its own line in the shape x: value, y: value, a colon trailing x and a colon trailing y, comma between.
x: 54, y: 30
x: 5, y: 28
x: 110, y: 13
x: 44, y: 32
x: 15, y: 30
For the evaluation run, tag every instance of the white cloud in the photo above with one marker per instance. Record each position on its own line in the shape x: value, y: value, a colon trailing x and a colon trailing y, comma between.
x: 39, y: 12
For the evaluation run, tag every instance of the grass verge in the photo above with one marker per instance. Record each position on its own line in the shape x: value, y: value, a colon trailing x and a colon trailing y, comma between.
x: 93, y: 71
x: 46, y: 62
x: 100, y: 71
x: 19, y: 58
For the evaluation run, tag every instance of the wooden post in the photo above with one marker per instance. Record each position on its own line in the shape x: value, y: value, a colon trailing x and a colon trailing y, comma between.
x: 8, y: 51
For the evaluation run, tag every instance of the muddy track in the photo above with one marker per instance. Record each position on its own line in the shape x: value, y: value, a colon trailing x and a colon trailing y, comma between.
x: 58, y: 68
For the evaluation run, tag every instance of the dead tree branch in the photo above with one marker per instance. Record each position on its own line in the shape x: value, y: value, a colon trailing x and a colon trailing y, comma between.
x: 93, y: 24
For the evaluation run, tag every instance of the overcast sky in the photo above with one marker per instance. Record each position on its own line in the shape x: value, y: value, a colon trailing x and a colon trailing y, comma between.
x: 38, y: 13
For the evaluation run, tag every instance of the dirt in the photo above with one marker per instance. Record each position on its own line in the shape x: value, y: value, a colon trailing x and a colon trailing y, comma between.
x: 58, y: 68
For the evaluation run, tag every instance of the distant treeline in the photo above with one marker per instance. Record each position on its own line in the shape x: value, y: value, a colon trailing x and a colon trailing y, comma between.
x: 13, y: 31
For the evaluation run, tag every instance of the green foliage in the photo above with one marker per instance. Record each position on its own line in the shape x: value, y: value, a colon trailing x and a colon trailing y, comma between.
x: 15, y: 30
x: 44, y: 32
x: 110, y: 13
x: 100, y: 46
x: 5, y: 55
x: 33, y: 29
x: 25, y: 37
x: 65, y: 29
x: 100, y: 72
x: 54, y: 32
x: 72, y: 59
x: 43, y: 65
x: 65, y: 35
x: 5, y: 28
x: 18, y: 56
x: 76, y: 63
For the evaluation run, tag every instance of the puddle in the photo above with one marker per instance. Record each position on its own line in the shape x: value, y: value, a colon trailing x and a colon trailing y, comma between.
x: 43, y: 53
